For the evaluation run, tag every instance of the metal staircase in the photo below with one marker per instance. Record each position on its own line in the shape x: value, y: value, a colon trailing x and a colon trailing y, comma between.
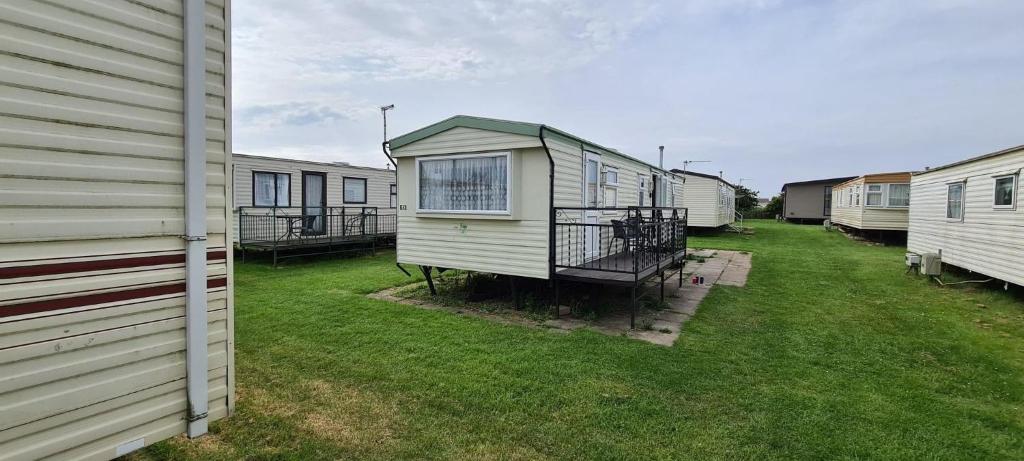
x: 737, y: 225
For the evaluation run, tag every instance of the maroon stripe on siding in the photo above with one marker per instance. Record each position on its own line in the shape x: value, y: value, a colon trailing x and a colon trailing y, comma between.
x: 35, y: 307
x: 99, y: 265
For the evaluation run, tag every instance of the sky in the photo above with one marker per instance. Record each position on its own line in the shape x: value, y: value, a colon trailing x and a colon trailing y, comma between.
x: 766, y: 91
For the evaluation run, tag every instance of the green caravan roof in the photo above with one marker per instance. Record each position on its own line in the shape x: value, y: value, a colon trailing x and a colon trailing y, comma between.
x: 504, y: 126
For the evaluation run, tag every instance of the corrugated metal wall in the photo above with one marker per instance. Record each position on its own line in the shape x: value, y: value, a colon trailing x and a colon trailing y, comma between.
x: 92, y: 336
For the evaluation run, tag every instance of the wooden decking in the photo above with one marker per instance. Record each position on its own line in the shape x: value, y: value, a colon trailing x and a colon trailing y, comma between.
x: 617, y: 269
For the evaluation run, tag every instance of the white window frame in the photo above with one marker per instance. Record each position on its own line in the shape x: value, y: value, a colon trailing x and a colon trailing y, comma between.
x: 508, y: 182
x: 1013, y: 196
x: 642, y: 188
x: 888, y: 188
x: 604, y: 196
x: 881, y: 192
x: 393, y: 196
x: 612, y: 187
x: 963, y: 201
x: 611, y: 169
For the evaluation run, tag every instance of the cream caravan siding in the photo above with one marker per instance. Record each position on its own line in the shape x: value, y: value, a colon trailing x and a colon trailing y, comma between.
x: 895, y: 219
x: 700, y: 197
x: 988, y: 241
x: 711, y: 202
x: 512, y: 245
x: 378, y: 181
x: 464, y: 139
x: 92, y: 342
x: 516, y: 245
x: 501, y: 245
x: 857, y: 215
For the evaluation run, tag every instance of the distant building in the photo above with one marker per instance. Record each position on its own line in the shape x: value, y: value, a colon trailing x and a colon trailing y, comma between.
x: 873, y: 202
x: 809, y: 201
x: 763, y: 201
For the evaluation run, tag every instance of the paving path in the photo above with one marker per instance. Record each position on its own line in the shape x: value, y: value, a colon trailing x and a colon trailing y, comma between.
x: 663, y: 326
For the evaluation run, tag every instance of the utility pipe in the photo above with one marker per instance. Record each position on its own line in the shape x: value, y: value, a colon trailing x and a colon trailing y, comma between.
x: 196, y: 354
x: 551, y: 204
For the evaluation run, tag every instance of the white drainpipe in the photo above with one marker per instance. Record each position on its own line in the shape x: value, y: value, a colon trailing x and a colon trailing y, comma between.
x: 196, y: 356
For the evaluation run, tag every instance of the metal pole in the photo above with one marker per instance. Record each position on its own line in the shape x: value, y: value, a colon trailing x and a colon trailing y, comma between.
x: 196, y: 354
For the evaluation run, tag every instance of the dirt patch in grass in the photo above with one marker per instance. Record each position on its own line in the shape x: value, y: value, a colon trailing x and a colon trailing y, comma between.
x: 348, y: 417
x: 209, y: 446
x: 486, y: 298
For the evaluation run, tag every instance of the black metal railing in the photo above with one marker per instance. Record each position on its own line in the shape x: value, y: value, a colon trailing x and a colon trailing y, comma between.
x: 630, y: 240
x: 284, y: 226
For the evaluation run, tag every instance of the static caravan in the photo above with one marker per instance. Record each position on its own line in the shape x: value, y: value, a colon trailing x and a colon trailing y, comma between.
x: 287, y: 204
x: 529, y: 200
x: 809, y: 201
x: 709, y: 199
x: 970, y: 212
x: 116, y: 318
x: 873, y: 202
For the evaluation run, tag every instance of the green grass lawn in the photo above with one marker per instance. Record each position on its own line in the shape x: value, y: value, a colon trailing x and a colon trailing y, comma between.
x: 830, y: 351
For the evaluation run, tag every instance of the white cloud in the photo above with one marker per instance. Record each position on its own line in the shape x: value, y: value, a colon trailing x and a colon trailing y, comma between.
x: 761, y: 87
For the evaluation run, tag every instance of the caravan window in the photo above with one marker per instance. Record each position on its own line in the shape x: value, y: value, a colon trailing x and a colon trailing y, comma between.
x: 1006, y: 187
x: 354, y: 190
x: 271, y: 189
x: 873, y: 197
x: 899, y: 195
x: 611, y: 188
x: 955, y: 201
x: 473, y: 183
x: 641, y: 182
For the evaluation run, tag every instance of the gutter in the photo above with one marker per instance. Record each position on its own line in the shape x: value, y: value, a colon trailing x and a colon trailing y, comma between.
x: 384, y: 147
x: 551, y: 205
x: 196, y: 336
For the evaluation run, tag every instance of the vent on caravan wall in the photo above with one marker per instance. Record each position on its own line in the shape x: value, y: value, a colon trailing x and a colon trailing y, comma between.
x: 931, y: 264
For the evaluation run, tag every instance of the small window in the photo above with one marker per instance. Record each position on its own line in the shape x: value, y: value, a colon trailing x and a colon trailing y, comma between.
x: 641, y: 182
x: 611, y: 177
x: 955, y: 201
x: 611, y: 197
x: 899, y: 195
x: 874, y: 195
x: 849, y: 196
x: 393, y: 201
x: 271, y: 189
x: 476, y: 183
x: 1006, y: 188
x: 828, y: 201
x: 355, y: 190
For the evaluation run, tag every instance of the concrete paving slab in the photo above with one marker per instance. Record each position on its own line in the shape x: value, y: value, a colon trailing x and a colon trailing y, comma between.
x: 662, y: 327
